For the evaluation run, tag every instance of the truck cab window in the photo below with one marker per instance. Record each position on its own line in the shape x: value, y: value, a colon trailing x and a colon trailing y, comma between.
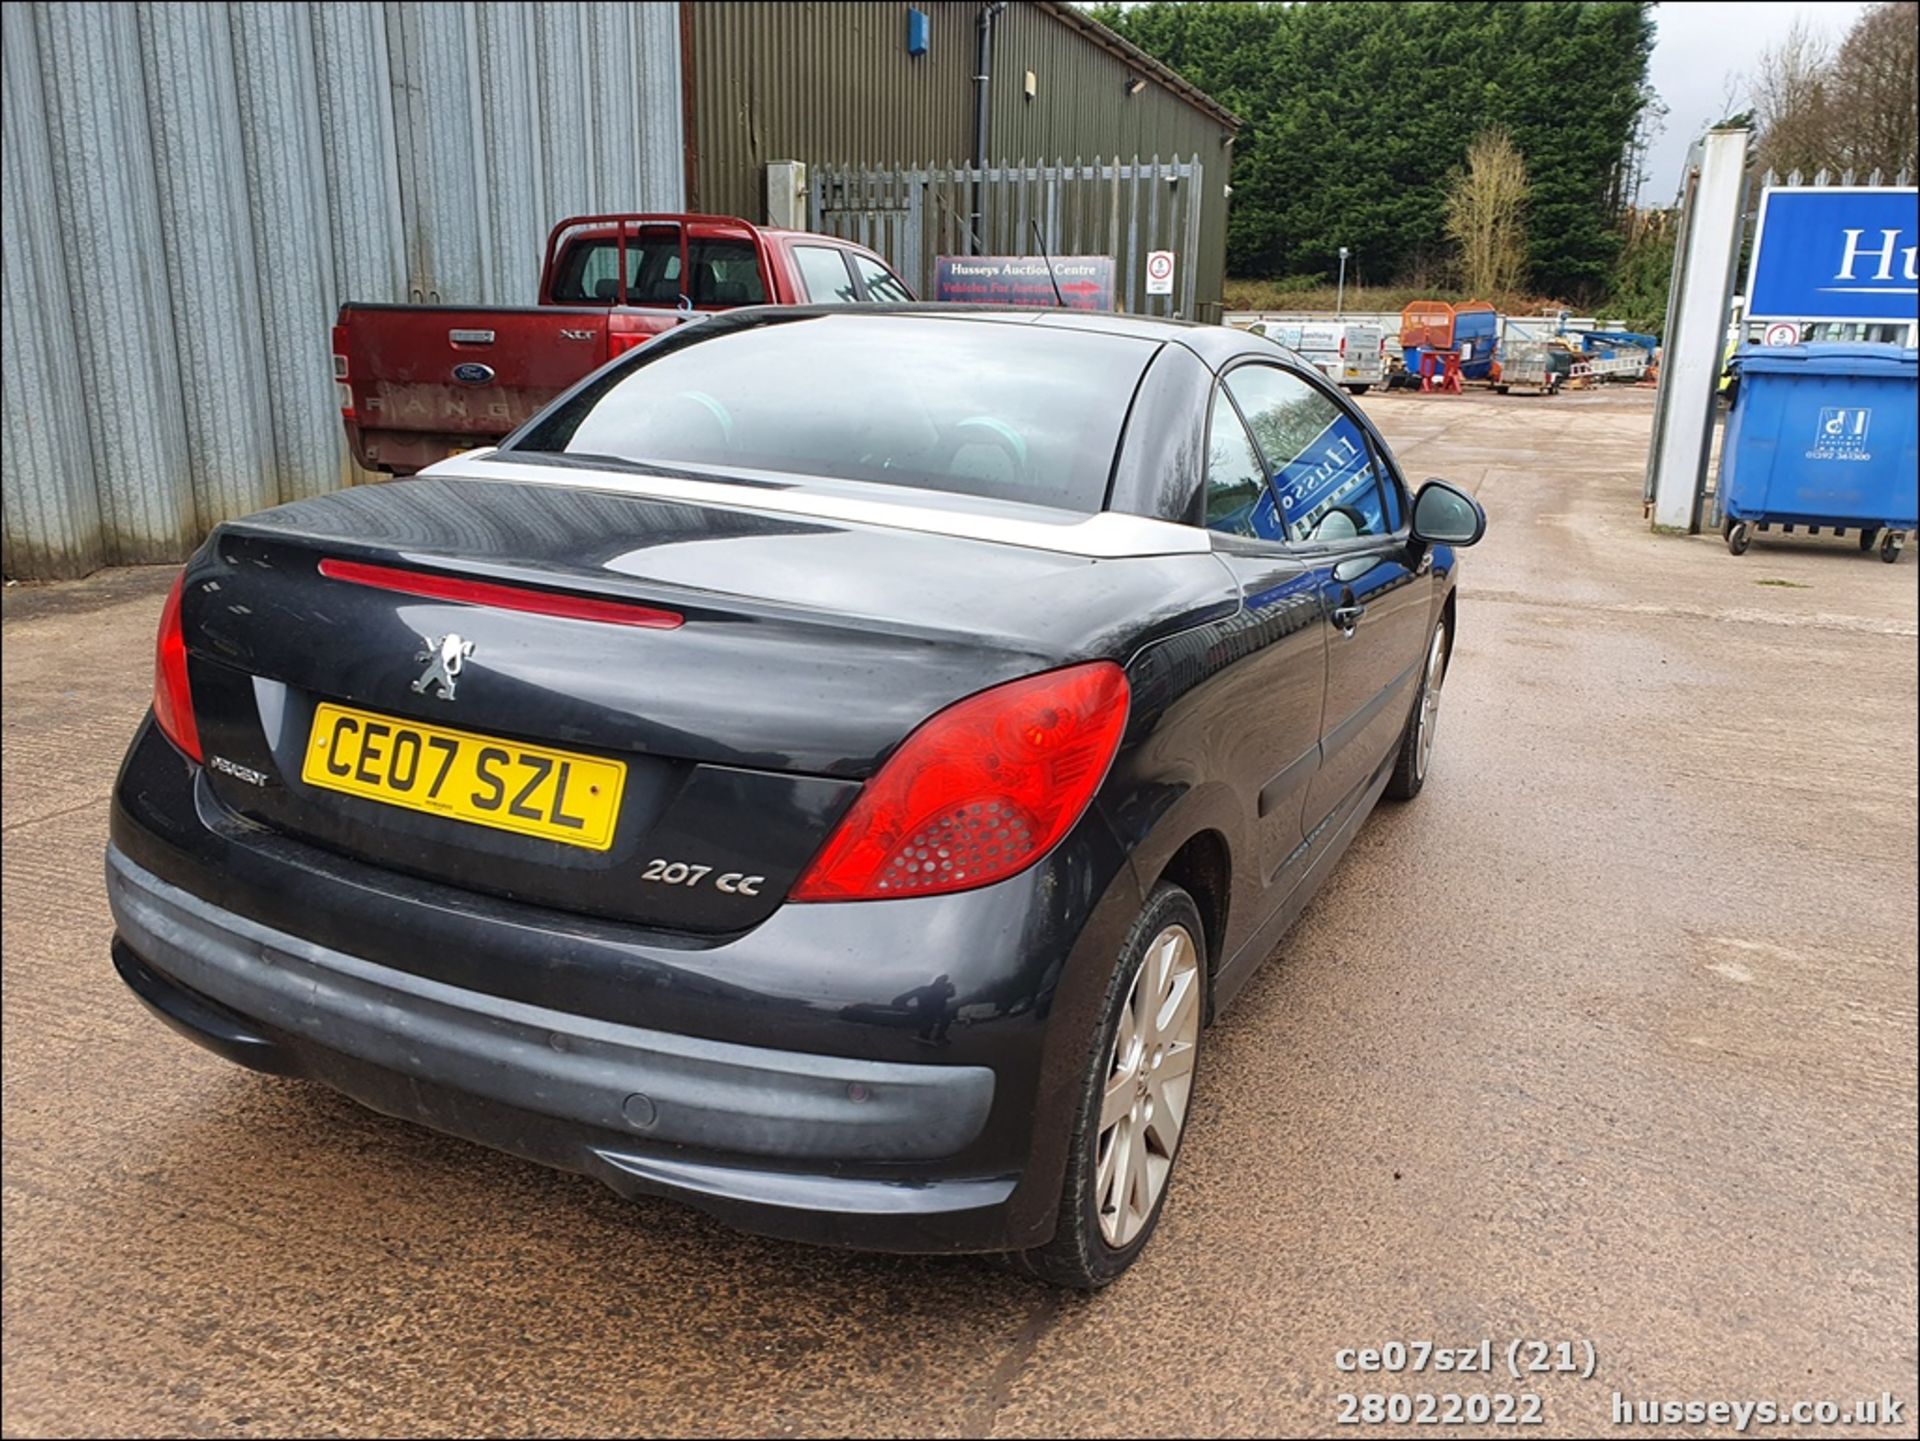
x: 823, y: 271
x: 883, y: 286
x: 725, y: 272
x: 589, y: 268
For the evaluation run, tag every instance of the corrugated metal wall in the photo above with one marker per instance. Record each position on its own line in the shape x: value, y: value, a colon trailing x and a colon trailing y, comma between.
x: 191, y: 190
x: 830, y: 82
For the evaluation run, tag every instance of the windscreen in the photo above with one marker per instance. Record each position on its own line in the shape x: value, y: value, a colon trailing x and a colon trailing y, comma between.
x: 1007, y: 411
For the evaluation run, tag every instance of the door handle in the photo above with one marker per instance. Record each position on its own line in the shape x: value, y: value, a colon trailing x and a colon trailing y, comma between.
x: 1348, y: 616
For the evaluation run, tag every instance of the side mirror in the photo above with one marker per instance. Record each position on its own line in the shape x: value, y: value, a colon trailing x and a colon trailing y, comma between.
x: 1444, y: 514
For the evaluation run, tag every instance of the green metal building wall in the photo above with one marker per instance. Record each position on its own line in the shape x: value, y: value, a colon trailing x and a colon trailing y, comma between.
x: 831, y: 82
x: 1081, y: 107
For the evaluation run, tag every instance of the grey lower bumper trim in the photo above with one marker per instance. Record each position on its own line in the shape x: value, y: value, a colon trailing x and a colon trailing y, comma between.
x: 717, y: 1095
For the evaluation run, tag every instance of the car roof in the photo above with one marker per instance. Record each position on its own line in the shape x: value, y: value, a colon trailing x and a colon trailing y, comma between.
x: 1214, y: 344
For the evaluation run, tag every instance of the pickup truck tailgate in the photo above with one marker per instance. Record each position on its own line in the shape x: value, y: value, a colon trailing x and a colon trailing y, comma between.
x: 422, y: 382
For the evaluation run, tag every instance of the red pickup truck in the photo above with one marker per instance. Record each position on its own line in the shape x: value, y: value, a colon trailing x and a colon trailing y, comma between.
x: 418, y: 383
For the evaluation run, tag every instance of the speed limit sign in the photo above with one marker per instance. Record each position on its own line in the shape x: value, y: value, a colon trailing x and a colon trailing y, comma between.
x: 1781, y: 332
x: 1159, y: 272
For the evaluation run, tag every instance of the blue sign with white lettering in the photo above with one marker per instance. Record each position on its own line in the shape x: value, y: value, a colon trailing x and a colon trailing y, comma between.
x: 1835, y: 253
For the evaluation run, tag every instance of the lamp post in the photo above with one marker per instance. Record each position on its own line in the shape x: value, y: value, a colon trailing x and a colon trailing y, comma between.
x: 1340, y: 295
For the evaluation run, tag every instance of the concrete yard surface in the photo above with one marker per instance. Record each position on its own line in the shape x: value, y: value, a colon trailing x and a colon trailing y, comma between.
x: 1608, y: 1037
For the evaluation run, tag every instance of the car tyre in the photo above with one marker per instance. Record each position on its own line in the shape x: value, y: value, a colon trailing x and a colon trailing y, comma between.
x: 1416, y: 745
x: 1098, y: 1236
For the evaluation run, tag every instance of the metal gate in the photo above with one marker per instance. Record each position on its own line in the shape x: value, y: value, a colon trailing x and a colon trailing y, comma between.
x: 1124, y: 209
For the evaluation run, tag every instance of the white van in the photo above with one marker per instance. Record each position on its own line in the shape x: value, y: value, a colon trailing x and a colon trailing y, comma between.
x: 1322, y: 345
x: 1362, y: 363
x: 1346, y: 352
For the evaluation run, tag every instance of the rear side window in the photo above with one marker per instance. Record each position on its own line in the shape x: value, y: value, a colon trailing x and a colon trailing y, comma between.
x: 1238, y: 501
x: 823, y: 274
x: 1317, y: 455
x: 1010, y: 412
x: 883, y: 286
x: 725, y: 272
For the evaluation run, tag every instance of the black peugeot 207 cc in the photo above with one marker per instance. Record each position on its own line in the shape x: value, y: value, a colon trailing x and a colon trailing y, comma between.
x: 828, y: 767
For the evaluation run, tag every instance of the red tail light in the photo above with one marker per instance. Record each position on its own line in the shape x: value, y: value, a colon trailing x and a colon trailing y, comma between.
x: 172, y: 701
x: 979, y: 792
x: 619, y: 342
x: 342, y: 389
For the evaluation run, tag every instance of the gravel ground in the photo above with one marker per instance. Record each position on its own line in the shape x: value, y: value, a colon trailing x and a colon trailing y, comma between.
x: 1608, y: 1037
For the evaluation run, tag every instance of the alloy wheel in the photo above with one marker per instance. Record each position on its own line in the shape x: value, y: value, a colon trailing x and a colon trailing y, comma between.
x: 1149, y: 1085
x: 1430, y: 699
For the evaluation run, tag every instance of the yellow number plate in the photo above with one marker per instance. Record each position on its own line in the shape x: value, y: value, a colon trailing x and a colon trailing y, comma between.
x: 555, y: 795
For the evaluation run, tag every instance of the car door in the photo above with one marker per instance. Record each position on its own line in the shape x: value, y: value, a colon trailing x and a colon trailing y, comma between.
x: 1346, y: 517
x: 1265, y: 710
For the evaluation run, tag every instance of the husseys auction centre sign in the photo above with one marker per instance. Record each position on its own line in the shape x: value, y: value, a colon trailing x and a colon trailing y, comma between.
x: 1835, y: 253
x: 1078, y: 282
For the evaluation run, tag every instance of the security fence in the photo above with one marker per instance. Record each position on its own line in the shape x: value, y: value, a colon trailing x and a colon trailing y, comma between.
x: 1126, y: 209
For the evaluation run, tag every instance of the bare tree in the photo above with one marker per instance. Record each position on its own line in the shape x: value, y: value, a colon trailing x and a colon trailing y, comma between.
x: 1816, y: 108
x: 1791, y: 107
x: 1631, y: 174
x: 1486, y: 216
x: 1875, y: 97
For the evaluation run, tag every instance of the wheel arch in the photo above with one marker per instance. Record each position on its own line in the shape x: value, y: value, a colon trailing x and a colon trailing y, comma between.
x: 1202, y: 866
x: 1191, y: 836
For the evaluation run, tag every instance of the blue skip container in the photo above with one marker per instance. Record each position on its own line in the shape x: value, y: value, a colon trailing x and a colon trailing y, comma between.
x: 1824, y: 435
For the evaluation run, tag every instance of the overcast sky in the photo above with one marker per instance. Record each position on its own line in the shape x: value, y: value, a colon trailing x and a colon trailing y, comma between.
x: 1706, y: 47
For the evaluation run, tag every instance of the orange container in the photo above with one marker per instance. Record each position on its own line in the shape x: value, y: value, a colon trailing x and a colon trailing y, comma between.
x: 1429, y: 323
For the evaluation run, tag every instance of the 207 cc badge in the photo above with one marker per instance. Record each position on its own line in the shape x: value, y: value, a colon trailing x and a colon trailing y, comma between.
x: 444, y: 658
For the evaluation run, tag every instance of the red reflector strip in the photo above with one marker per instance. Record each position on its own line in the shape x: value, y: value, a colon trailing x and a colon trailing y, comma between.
x: 502, y: 597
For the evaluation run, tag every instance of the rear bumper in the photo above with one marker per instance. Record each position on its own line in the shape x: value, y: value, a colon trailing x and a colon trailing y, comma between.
x: 804, y: 1079
x: 563, y: 1089
x: 677, y: 1089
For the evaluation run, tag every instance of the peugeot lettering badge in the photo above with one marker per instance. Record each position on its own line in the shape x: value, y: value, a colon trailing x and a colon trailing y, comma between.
x: 473, y: 373
x: 444, y: 658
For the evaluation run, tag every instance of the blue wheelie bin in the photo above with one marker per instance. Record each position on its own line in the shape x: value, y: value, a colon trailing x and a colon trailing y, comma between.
x: 1823, y: 435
